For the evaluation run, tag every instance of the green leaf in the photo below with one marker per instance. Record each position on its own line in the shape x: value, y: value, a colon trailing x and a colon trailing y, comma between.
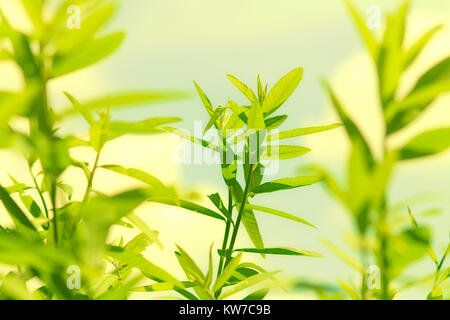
x: 16, y: 104
x: 283, y: 152
x: 119, y: 128
x: 389, y: 62
x: 120, y: 292
x: 352, y: 130
x: 262, y: 92
x: 189, y: 266
x: 244, y: 89
x: 282, y: 91
x: 99, y: 214
x: 139, y: 243
x: 76, y: 105
x: 227, y: 273
x: 275, y: 122
x: 236, y: 121
x: 251, y: 225
x: 430, y: 250
x: 430, y: 85
x: 400, y: 112
x: 248, y: 218
x: 217, y: 201
x: 332, y: 185
x: 68, y: 190
x: 21, y: 221
x: 406, y: 247
x: 34, y: 11
x: 250, y: 281
x: 185, y: 135
x: 208, y: 106
x: 162, y: 286
x: 141, y: 225
x: 364, y: 31
x: 126, y: 99
x: 215, y: 116
x: 188, y: 206
x: 14, y: 287
x: 413, y: 52
x: 31, y: 205
x: 287, y: 183
x: 149, y: 269
x: 256, y: 118
x: 301, y: 132
x: 344, y: 256
x: 436, y: 294
x: 71, y: 39
x: 136, y: 174
x: 90, y: 53
x: 426, y: 144
x: 257, y: 295
x: 209, y: 275
x: 282, y: 251
x: 15, y: 249
x: 280, y: 214
x: 354, y: 295
x: 5, y: 55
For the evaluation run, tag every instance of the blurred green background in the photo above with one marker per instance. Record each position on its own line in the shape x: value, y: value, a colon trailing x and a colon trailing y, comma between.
x: 170, y: 43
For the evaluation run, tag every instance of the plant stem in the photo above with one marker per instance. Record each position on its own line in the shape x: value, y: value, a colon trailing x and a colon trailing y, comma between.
x: 364, y: 273
x: 383, y: 241
x: 91, y: 178
x: 241, y: 213
x: 53, y: 200
x: 227, y: 232
x: 40, y: 193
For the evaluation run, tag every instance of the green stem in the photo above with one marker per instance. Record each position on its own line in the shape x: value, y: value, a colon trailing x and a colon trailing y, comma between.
x: 364, y: 272
x: 383, y: 241
x: 40, y: 193
x: 55, y: 213
x: 91, y: 178
x: 227, y: 231
x: 241, y: 213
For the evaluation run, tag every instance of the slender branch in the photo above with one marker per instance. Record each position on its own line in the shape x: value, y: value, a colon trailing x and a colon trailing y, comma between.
x: 227, y: 231
x: 241, y: 213
x: 36, y: 185
x: 364, y: 272
x: 91, y: 177
x: 55, y: 213
x: 383, y: 241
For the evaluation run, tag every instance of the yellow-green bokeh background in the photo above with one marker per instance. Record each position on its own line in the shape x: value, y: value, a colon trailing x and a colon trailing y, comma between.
x: 170, y: 43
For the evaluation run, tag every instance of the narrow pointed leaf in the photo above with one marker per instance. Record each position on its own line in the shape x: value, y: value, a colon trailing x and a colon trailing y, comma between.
x: 280, y: 214
x: 282, y: 251
x: 90, y: 53
x: 364, y: 31
x: 136, y: 174
x: 149, y: 269
x: 227, y: 273
x: 249, y: 282
x: 243, y: 88
x: 284, y: 152
x: 282, y: 91
x: 287, y: 183
x: 301, y: 132
x: 208, y: 106
x: 413, y: 52
x: 426, y: 144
